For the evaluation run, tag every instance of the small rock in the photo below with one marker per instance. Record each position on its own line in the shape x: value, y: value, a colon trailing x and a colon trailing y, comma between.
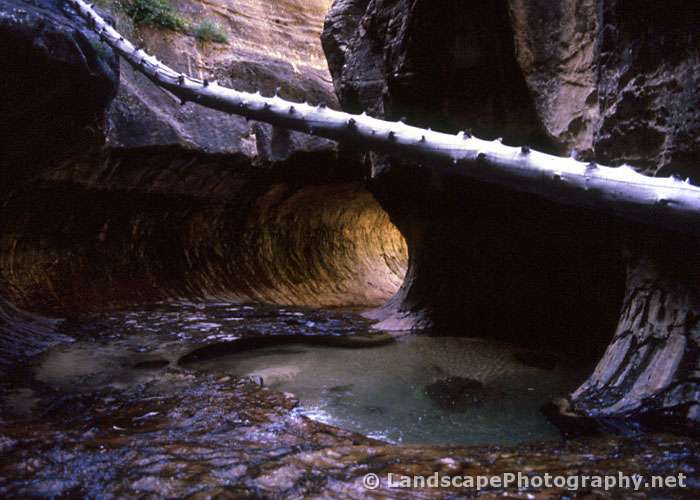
x: 456, y: 393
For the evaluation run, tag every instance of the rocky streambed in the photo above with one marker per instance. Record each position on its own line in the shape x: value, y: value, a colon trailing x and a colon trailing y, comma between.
x: 173, y: 400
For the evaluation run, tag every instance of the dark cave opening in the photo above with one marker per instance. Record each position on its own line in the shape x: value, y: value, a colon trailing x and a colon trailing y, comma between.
x: 489, y: 263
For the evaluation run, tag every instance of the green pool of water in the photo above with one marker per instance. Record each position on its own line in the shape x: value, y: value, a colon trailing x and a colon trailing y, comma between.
x: 396, y: 392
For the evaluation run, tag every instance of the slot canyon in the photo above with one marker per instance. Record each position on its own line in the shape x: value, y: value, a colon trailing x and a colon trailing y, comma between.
x: 195, y: 304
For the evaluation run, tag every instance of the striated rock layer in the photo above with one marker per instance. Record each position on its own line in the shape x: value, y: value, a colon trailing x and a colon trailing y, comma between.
x: 168, y: 224
x: 185, y: 202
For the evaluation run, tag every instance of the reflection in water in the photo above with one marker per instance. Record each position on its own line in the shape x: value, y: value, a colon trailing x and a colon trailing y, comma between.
x: 440, y: 390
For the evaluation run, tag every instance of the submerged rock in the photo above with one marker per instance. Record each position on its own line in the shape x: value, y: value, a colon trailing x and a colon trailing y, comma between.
x: 457, y: 393
x: 151, y: 364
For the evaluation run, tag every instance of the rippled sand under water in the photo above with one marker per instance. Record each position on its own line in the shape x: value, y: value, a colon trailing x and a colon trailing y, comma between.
x: 383, y: 391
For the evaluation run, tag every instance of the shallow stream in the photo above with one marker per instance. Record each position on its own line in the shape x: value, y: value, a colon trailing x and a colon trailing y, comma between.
x: 418, y: 389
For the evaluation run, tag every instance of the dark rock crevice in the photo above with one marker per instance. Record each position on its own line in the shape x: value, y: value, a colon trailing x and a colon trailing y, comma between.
x: 484, y: 262
x: 450, y: 67
x: 55, y: 89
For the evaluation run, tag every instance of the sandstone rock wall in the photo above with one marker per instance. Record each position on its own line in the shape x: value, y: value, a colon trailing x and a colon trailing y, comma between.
x: 270, y: 46
x: 618, y: 81
x: 134, y: 228
x: 118, y: 194
x: 612, y: 80
x: 609, y: 80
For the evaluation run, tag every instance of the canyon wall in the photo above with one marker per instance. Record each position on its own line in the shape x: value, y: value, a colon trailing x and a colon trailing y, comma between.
x: 118, y: 194
x: 606, y: 80
x: 115, y: 194
x: 55, y: 89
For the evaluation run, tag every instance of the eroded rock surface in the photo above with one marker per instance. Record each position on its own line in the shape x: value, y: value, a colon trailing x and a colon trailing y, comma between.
x: 556, y: 47
x: 615, y: 80
x: 174, y: 224
x: 612, y: 81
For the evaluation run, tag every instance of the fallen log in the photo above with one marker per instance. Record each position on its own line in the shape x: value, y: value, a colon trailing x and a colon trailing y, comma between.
x: 670, y: 202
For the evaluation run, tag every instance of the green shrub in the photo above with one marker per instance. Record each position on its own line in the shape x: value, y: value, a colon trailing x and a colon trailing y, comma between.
x: 156, y: 13
x: 209, y: 31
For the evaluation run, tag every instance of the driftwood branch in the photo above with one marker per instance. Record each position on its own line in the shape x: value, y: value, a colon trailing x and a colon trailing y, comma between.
x: 670, y: 202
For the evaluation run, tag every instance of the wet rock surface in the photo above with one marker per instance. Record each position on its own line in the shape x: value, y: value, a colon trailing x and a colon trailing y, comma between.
x: 180, y: 435
x: 110, y: 429
x: 189, y: 434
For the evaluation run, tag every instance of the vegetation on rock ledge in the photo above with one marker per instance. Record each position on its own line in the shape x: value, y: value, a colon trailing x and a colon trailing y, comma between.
x: 156, y: 13
x: 162, y: 14
x: 209, y: 31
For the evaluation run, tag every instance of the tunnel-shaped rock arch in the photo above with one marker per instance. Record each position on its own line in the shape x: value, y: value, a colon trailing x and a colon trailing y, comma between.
x: 237, y: 232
